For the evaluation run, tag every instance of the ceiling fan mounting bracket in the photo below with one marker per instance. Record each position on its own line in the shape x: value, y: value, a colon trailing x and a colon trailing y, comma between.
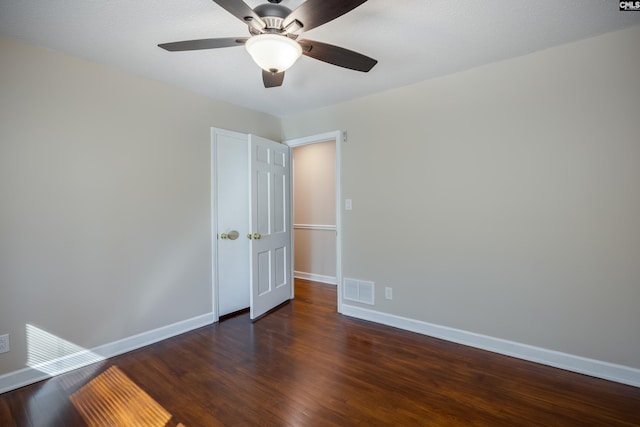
x: 269, y: 10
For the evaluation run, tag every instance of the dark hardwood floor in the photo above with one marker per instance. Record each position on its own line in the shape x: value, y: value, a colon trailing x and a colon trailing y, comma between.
x: 305, y: 365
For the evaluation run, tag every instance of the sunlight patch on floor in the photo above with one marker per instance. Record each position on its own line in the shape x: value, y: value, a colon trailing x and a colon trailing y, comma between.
x: 112, y: 399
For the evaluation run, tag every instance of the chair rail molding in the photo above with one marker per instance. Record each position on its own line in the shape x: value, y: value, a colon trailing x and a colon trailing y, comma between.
x: 314, y: 227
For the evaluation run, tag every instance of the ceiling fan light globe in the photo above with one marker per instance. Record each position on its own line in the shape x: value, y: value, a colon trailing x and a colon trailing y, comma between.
x: 273, y: 52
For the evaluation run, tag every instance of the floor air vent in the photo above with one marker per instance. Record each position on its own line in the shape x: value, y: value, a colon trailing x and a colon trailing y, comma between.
x: 359, y: 290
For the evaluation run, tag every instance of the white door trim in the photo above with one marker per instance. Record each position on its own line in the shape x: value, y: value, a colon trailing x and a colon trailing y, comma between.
x: 337, y: 136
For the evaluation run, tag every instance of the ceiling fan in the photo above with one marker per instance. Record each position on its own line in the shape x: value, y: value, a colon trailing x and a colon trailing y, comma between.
x: 274, y: 44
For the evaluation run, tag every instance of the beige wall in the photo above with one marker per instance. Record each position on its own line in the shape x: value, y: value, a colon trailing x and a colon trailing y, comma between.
x: 504, y: 200
x: 314, y: 196
x: 104, y: 199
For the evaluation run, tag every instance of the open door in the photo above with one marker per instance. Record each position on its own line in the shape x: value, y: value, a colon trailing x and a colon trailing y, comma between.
x: 230, y: 221
x: 270, y: 234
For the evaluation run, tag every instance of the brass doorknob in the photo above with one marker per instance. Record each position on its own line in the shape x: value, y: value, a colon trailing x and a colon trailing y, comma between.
x: 232, y: 235
x: 257, y: 236
x: 249, y: 236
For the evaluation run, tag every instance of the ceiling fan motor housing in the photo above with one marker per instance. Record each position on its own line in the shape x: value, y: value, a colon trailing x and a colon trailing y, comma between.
x: 273, y: 15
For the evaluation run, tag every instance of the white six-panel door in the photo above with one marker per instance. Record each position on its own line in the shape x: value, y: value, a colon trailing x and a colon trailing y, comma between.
x: 270, y: 236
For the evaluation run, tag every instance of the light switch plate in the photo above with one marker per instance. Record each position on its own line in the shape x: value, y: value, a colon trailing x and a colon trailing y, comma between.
x: 347, y: 205
x: 4, y: 343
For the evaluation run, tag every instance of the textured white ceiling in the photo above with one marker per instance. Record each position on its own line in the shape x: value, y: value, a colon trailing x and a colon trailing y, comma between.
x: 413, y: 40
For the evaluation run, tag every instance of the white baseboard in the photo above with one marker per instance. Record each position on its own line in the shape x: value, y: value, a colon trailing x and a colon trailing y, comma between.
x: 30, y: 375
x: 330, y: 280
x: 595, y: 368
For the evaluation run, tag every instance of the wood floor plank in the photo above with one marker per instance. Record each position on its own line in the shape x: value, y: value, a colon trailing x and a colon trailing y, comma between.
x: 6, y: 417
x: 306, y: 365
x: 19, y: 406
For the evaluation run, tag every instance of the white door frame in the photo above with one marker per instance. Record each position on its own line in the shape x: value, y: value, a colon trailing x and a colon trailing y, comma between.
x: 338, y: 137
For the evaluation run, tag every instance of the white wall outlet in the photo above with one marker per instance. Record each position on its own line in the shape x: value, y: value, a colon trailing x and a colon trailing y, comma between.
x: 4, y: 343
x: 348, y: 205
x: 388, y: 293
